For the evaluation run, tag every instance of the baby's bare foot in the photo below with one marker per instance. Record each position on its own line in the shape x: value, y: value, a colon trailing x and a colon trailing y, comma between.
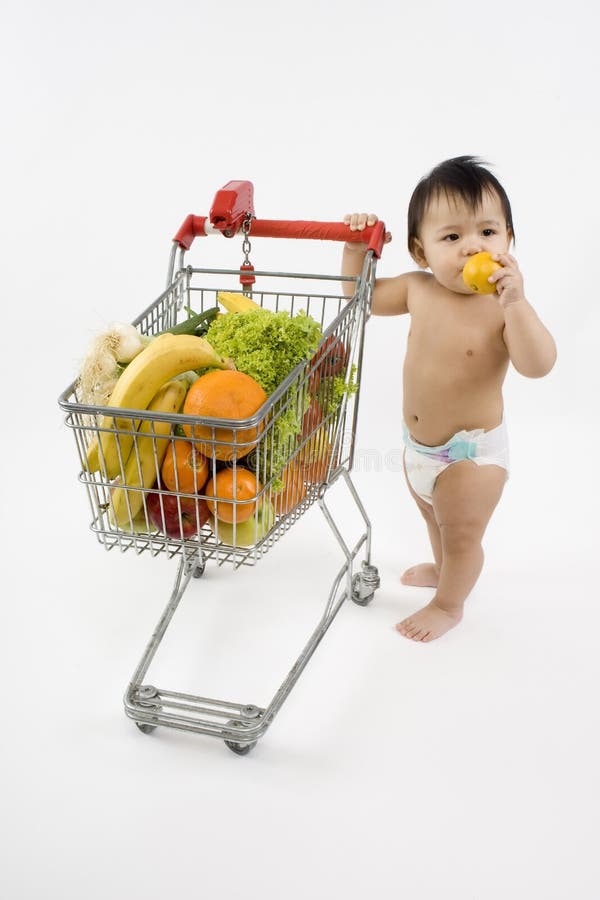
x: 429, y: 623
x: 424, y: 575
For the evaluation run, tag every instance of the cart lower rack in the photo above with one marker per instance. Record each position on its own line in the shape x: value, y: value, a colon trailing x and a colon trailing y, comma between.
x: 279, y: 461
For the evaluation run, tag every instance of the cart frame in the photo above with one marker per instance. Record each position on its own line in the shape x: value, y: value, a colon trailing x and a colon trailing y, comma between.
x: 240, y: 725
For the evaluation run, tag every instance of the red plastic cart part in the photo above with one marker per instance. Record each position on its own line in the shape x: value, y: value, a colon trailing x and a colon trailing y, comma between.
x: 247, y: 279
x: 235, y: 202
x: 373, y: 235
x: 232, y: 204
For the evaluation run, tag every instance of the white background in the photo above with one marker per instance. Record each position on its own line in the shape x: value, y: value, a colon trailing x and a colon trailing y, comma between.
x: 465, y: 768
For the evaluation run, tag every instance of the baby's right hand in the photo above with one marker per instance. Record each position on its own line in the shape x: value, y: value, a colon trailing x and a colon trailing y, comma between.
x: 358, y: 222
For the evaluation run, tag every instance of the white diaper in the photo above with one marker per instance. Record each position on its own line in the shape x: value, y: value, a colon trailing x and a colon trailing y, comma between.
x: 424, y: 464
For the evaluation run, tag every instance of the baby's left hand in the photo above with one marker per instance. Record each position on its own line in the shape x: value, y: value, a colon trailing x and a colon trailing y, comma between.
x: 507, y: 280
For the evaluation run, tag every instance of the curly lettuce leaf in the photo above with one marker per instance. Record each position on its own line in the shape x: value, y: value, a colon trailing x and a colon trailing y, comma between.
x: 265, y: 345
x: 268, y: 346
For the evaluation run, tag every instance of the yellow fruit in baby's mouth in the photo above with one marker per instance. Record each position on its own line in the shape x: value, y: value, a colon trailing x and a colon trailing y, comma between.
x: 476, y: 272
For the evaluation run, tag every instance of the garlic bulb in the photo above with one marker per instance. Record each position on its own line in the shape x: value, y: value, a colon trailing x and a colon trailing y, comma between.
x: 100, y: 369
x: 124, y: 341
x: 98, y: 375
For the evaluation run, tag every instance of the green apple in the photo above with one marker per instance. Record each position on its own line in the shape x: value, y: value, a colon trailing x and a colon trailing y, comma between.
x: 140, y: 524
x: 246, y: 533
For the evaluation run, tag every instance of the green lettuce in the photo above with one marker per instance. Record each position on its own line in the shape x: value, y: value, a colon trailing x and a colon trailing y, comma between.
x: 265, y: 345
x: 268, y: 346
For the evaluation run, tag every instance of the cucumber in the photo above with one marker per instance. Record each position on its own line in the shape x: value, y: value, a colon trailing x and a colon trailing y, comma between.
x: 197, y: 324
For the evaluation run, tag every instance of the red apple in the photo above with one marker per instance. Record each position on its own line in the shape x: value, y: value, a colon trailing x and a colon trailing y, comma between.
x: 194, y: 513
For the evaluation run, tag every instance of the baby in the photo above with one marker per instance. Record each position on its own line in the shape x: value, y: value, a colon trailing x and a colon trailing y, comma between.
x: 459, y: 348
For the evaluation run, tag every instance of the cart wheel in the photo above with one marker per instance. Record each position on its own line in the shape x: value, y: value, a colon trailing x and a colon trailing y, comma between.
x: 240, y: 749
x: 146, y: 694
x: 145, y: 727
x: 199, y: 571
x: 358, y: 590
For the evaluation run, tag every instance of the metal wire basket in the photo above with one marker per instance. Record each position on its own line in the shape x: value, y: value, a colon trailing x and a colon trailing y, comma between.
x: 291, y: 451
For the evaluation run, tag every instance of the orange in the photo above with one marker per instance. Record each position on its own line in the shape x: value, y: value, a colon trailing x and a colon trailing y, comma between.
x: 315, y: 457
x: 224, y: 394
x: 293, y: 490
x: 476, y: 272
x: 232, y: 494
x: 184, y: 468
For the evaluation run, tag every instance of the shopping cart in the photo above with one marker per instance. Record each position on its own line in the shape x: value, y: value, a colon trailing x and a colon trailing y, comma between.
x: 291, y: 474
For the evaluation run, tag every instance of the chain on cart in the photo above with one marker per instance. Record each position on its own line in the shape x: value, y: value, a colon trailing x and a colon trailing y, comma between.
x: 165, y: 476
x: 246, y: 280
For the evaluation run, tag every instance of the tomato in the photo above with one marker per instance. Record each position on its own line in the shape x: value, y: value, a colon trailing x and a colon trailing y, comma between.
x: 331, y: 359
x: 311, y: 419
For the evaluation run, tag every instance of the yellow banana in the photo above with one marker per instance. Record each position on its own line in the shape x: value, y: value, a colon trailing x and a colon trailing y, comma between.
x: 236, y: 303
x: 92, y: 460
x: 146, y: 457
x: 167, y: 356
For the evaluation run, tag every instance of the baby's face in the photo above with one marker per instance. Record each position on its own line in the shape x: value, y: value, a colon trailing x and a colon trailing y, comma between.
x: 451, y: 232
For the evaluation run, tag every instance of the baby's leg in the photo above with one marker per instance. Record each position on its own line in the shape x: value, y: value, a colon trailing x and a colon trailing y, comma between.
x: 425, y: 574
x: 464, y: 497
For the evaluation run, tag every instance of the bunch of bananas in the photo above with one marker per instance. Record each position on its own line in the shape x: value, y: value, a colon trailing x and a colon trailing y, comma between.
x: 133, y: 450
x: 126, y: 449
x: 147, y: 455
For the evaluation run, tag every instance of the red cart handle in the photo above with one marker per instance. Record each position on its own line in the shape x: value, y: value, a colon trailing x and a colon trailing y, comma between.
x: 374, y: 235
x: 234, y: 203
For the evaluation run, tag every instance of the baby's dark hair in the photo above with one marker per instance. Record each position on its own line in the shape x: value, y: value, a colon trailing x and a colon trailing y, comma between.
x: 464, y: 177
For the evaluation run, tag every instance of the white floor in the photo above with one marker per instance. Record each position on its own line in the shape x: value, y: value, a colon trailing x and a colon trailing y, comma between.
x: 465, y: 768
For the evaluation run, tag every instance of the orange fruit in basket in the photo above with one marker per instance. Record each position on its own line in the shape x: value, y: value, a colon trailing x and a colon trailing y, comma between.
x: 315, y: 456
x: 293, y: 490
x: 224, y: 394
x: 184, y: 468
x: 232, y: 494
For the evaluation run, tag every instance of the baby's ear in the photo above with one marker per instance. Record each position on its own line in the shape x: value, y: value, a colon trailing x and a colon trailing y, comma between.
x: 418, y: 254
